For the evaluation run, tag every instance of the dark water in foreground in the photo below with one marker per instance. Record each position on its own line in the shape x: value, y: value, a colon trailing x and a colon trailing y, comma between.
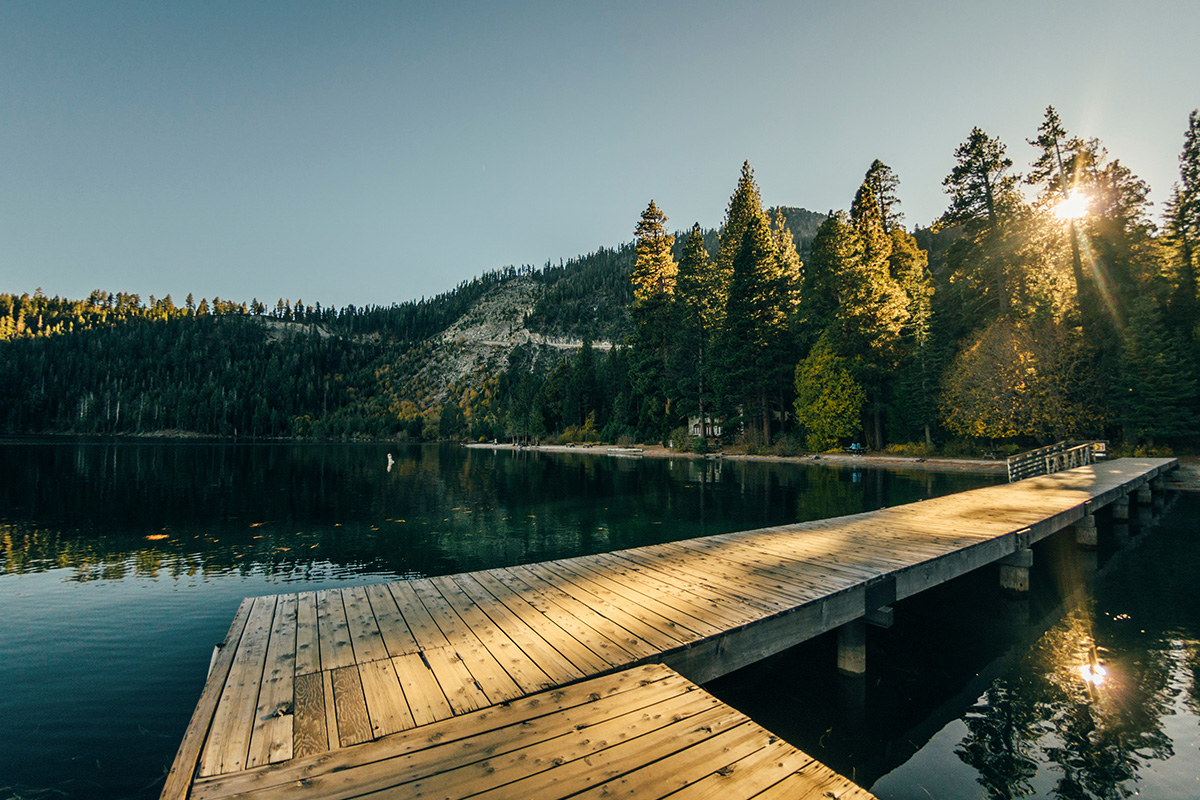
x: 121, y: 565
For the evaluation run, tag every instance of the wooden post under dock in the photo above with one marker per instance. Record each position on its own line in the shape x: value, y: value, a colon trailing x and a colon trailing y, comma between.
x: 580, y: 676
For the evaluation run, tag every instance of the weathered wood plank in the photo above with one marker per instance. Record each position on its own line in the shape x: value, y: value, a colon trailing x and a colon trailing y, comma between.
x: 308, y: 643
x: 421, y: 689
x: 555, y: 658
x: 652, y: 600
x: 353, y: 722
x: 397, y: 638
x: 424, y: 630
x: 462, y: 691
x: 554, y: 601
x: 592, y: 761
x: 386, y: 705
x: 231, y: 725
x: 583, y: 646
x: 464, y: 631
x: 662, y: 634
x: 331, y: 729
x: 271, y: 738
x: 365, y: 636
x: 747, y: 776
x: 497, y: 729
x: 309, y: 729
x: 682, y: 768
x: 334, y: 632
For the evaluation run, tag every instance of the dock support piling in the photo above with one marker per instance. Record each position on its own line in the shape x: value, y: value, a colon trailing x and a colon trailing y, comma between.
x: 1120, y: 508
x: 1085, y: 532
x: 1014, y: 571
x: 1145, y: 495
x: 852, y: 649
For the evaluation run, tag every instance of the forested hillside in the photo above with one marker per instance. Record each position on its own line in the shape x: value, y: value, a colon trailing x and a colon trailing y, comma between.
x: 1042, y: 304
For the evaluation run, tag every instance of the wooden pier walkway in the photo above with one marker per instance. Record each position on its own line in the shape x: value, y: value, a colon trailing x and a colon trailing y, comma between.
x: 542, y: 680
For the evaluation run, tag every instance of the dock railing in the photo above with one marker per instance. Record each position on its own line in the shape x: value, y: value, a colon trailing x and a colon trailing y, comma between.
x: 1055, y: 457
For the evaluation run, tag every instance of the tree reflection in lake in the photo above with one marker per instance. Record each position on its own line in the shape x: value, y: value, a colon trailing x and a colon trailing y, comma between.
x: 111, y: 509
x: 1041, y: 728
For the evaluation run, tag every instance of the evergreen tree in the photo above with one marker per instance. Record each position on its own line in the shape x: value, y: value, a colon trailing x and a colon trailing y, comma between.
x: 1058, y: 170
x: 1157, y: 380
x: 980, y: 186
x: 1183, y: 231
x: 817, y: 308
x: 744, y: 205
x: 654, y: 277
x: 747, y: 351
x: 983, y: 199
x: 654, y: 271
x: 882, y: 181
x: 829, y: 399
x: 696, y: 319
x: 914, y: 406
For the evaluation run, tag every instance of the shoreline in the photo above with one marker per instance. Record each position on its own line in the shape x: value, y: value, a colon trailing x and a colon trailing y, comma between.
x: 839, y: 459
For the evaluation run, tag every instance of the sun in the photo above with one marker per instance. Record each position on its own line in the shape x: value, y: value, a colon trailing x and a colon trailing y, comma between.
x: 1073, y: 206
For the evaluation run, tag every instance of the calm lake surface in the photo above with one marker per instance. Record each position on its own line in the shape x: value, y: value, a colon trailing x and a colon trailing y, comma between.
x: 122, y: 564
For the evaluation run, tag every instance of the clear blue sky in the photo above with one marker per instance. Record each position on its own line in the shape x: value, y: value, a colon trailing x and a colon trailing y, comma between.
x: 371, y: 153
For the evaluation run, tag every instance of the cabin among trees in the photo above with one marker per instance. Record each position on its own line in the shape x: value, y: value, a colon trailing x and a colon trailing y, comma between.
x: 1040, y: 305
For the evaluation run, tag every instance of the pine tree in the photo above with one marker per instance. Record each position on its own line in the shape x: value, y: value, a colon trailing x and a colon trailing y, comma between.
x: 654, y: 277
x: 1183, y: 232
x: 980, y: 186
x: 744, y: 205
x: 696, y: 318
x: 1157, y: 382
x: 882, y: 182
x: 914, y: 402
x: 983, y: 200
x: 747, y: 351
x: 1058, y: 171
x: 655, y: 270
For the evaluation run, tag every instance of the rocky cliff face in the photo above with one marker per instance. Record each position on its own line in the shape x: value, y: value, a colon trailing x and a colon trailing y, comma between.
x: 480, y: 341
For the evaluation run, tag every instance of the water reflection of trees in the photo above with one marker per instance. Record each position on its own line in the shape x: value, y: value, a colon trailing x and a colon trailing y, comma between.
x: 1095, y: 736
x: 184, y: 510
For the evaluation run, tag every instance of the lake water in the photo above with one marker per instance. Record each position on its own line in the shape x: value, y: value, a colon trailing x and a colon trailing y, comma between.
x: 122, y: 564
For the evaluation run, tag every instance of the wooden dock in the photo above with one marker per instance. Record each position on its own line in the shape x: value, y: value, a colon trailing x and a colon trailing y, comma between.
x: 536, y: 680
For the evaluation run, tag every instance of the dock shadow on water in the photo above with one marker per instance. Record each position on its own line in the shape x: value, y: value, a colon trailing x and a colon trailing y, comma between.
x: 122, y: 564
x: 1087, y: 688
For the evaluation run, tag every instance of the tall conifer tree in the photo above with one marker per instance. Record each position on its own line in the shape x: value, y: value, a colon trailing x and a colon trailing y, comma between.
x: 752, y: 331
x: 696, y: 319
x: 744, y: 205
x: 654, y: 276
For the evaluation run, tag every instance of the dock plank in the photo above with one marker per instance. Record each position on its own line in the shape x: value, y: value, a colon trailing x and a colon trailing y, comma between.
x: 353, y: 722
x: 308, y: 644
x: 473, y: 625
x: 426, y: 700
x: 386, y: 705
x: 309, y: 730
x: 231, y: 726
x: 548, y: 643
x: 397, y: 637
x: 333, y: 630
x: 587, y: 652
x: 271, y: 737
x: 365, y: 636
x: 556, y: 603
